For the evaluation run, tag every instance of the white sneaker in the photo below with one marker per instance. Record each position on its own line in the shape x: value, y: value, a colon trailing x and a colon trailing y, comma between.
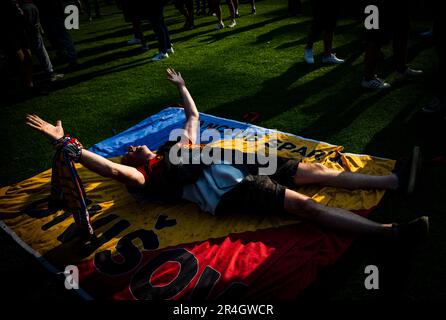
x: 220, y: 25
x: 332, y: 59
x: 170, y: 50
x: 376, y: 83
x: 134, y: 41
x: 160, y: 56
x: 408, y: 74
x: 232, y: 23
x: 308, y: 56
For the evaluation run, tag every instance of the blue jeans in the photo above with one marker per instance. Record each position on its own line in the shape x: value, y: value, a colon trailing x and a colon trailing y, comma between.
x: 156, y: 17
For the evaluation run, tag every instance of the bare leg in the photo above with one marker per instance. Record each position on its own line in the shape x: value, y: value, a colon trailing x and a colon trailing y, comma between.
x: 236, y: 5
x: 316, y: 173
x: 311, y: 39
x: 26, y: 66
x: 137, y: 30
x: 371, y: 58
x: 335, y: 218
x: 232, y: 8
x: 217, y: 9
x: 400, y: 51
x: 328, y: 42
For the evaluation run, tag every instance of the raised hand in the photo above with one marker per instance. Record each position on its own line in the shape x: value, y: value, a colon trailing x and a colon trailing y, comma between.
x: 47, y: 129
x: 175, y: 77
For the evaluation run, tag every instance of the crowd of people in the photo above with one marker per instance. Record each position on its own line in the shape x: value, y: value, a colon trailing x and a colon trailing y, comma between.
x: 24, y: 22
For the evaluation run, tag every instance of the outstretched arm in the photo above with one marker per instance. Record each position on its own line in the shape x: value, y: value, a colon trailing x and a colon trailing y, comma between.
x: 192, y: 115
x: 100, y: 165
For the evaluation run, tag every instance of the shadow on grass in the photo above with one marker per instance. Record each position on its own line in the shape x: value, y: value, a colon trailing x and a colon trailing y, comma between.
x: 222, y: 34
x: 345, y: 111
x: 346, y: 29
x: 15, y: 97
x: 276, y: 89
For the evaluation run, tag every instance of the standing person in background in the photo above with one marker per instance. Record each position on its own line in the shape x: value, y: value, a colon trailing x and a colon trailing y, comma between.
x: 16, y: 43
x: 34, y: 33
x: 394, y: 25
x: 216, y: 7
x: 97, y: 9
x: 156, y: 17
x: 253, y: 7
x: 325, y: 15
x: 186, y: 7
x: 201, y: 7
x: 53, y: 22
x: 134, y: 12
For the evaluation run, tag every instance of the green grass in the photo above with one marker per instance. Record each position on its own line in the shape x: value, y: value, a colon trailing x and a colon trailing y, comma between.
x: 256, y: 66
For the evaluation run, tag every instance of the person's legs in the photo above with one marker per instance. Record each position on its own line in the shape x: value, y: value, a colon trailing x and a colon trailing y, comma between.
x: 262, y: 195
x: 253, y: 6
x: 329, y: 19
x: 316, y: 173
x: 334, y: 218
x: 371, y: 58
x: 312, y: 36
x: 236, y: 5
x: 166, y: 43
x: 374, y: 40
x: 64, y: 39
x: 160, y: 29
x: 36, y: 41
x: 400, y: 50
x: 317, y: 24
x: 180, y: 6
x: 26, y: 67
x: 328, y: 42
x: 215, y: 6
x: 232, y: 8
x: 137, y: 31
x: 42, y: 55
x: 97, y: 9
x: 190, y: 10
x: 87, y: 7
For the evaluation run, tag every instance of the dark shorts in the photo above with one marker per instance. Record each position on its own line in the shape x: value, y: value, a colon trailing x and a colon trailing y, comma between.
x: 261, y: 194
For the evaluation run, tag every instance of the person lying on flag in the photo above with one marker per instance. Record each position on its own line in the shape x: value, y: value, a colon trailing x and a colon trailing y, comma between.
x: 218, y: 188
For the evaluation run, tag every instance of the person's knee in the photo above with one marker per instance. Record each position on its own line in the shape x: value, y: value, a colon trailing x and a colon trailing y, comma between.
x: 303, y: 207
x: 316, y: 169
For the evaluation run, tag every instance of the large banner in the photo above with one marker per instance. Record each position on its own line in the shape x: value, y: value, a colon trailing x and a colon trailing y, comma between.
x: 148, y: 250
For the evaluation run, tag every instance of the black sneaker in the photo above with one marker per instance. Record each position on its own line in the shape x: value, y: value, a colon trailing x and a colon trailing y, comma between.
x: 407, y: 172
x: 413, y: 232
